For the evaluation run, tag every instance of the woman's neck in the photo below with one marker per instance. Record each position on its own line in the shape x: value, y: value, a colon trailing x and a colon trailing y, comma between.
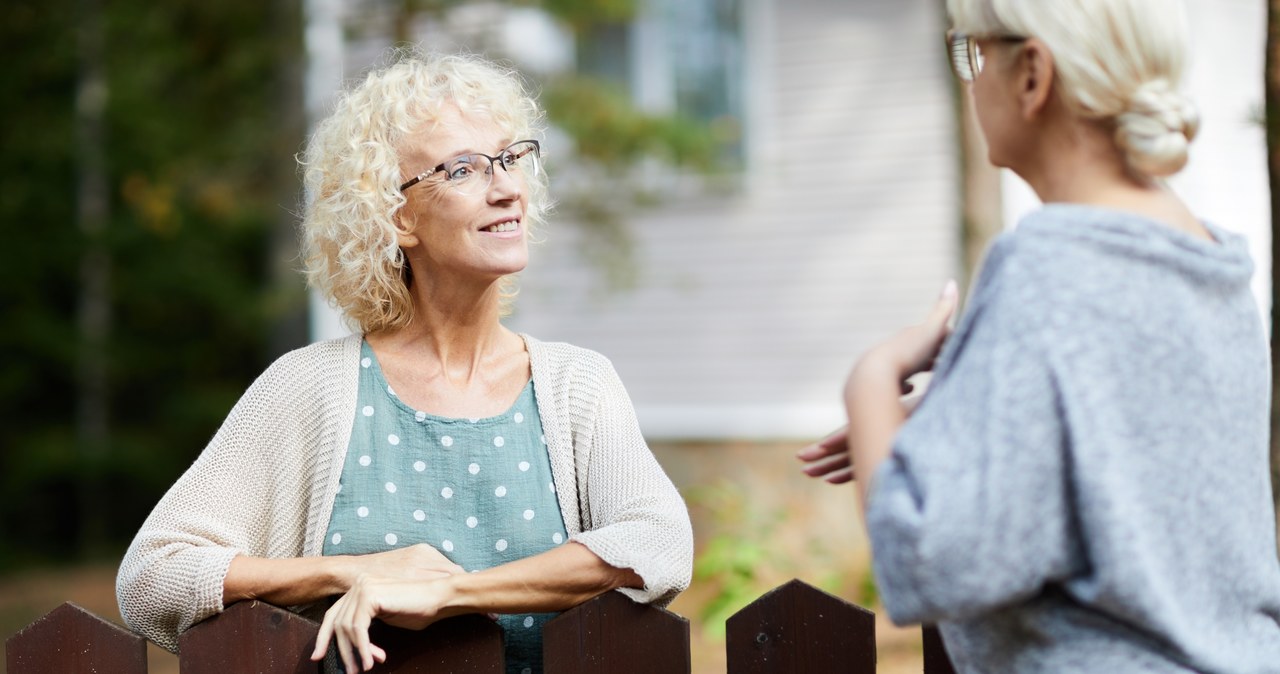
x: 455, y: 330
x: 1081, y: 165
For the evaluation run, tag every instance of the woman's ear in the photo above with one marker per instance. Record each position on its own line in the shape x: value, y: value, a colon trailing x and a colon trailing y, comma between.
x: 1035, y: 78
x: 406, y: 229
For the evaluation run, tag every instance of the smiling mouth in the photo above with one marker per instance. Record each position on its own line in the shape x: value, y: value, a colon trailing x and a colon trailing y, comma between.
x: 507, y: 226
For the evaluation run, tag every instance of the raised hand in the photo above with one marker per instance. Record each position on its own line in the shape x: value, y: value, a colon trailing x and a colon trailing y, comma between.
x: 828, y: 458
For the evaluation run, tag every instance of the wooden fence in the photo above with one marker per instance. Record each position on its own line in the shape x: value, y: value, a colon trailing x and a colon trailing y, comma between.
x: 792, y: 628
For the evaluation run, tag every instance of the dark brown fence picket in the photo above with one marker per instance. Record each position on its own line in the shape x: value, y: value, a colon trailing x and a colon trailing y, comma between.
x: 468, y: 644
x: 253, y: 637
x: 613, y: 634
x: 71, y: 639
x: 249, y: 637
x: 793, y: 628
x: 799, y: 628
x: 936, y: 660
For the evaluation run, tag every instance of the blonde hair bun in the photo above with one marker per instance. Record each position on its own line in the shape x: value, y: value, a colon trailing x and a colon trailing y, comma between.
x: 1156, y: 130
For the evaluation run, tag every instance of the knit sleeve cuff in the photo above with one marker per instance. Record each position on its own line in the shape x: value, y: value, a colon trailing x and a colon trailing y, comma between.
x: 207, y: 583
x: 663, y: 578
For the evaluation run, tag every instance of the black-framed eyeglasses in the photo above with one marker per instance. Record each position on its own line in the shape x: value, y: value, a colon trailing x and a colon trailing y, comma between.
x: 966, y: 54
x: 469, y: 173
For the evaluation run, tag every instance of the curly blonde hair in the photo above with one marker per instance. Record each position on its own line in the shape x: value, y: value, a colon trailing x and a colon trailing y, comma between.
x: 351, y: 172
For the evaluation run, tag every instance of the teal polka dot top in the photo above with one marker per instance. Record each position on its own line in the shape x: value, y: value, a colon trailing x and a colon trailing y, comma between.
x: 478, y: 490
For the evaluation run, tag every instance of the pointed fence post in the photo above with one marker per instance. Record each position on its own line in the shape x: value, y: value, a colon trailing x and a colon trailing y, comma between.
x: 466, y: 644
x: 69, y: 640
x: 249, y: 637
x: 936, y: 660
x: 613, y: 634
x: 796, y: 627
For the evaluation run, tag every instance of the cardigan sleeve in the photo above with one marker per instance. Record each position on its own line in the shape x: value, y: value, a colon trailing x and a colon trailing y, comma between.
x: 637, y: 519
x: 246, y: 493
x: 973, y: 509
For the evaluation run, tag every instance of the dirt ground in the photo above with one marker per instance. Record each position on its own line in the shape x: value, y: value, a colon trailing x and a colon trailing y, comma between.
x: 27, y: 596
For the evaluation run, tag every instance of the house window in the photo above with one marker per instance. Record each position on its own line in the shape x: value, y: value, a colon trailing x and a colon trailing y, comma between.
x: 678, y: 57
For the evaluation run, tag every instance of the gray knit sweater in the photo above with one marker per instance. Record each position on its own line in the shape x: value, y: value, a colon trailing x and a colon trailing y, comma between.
x: 1085, y: 488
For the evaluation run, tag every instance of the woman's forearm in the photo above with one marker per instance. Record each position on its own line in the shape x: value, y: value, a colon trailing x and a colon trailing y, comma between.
x: 875, y: 415
x: 558, y: 579
x: 285, y: 582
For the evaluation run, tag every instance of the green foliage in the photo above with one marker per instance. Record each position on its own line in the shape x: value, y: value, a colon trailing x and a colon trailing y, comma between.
x: 613, y: 133
x: 742, y: 559
x: 582, y: 13
x: 191, y: 145
x: 736, y: 559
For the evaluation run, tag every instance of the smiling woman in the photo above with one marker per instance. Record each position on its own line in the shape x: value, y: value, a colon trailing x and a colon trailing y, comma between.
x: 435, y: 463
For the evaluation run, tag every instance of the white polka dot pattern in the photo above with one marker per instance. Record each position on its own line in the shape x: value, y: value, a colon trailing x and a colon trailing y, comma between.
x: 579, y: 396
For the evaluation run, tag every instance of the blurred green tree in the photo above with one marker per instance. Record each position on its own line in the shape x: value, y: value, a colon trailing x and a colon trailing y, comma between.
x: 141, y: 181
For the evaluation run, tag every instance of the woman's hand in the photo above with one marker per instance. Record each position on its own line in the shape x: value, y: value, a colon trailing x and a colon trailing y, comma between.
x: 914, y: 349
x: 411, y: 604
x: 906, y: 354
x: 828, y: 458
x: 301, y: 580
x: 872, y: 395
x: 414, y: 562
x: 393, y: 586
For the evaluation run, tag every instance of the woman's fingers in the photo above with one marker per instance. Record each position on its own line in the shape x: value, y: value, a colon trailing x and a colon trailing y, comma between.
x: 323, y: 636
x: 344, y: 651
x: 835, y: 443
x: 940, y: 316
x: 841, y: 476
x: 360, y: 637
x: 828, y: 465
x: 829, y: 458
x: 938, y: 324
x: 346, y: 623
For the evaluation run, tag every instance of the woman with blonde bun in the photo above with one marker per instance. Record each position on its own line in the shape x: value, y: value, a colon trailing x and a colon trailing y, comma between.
x: 1084, y: 486
x: 433, y: 463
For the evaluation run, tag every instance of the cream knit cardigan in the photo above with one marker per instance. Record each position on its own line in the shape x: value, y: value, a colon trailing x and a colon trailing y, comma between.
x: 266, y: 483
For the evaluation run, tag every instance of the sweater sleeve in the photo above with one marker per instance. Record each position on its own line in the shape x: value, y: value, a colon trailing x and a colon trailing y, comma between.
x: 637, y: 518
x: 230, y: 501
x: 973, y: 508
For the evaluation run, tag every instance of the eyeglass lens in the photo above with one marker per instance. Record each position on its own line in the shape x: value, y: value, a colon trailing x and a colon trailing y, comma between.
x: 473, y: 173
x: 966, y: 57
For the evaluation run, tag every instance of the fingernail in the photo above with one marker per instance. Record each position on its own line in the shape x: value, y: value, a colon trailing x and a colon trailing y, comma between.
x: 950, y: 289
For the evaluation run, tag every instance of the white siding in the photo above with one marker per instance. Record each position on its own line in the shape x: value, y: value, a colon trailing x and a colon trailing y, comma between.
x: 752, y: 305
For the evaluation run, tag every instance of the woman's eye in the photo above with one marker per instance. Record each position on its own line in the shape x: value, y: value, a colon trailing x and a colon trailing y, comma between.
x: 461, y: 172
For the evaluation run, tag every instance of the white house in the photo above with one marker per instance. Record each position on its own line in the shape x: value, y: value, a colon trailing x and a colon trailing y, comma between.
x: 752, y: 303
